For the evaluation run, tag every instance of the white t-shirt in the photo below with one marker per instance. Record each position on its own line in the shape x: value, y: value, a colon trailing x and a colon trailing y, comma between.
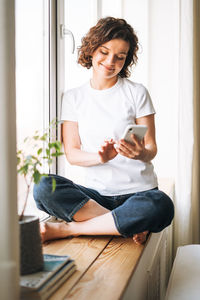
x: 104, y: 114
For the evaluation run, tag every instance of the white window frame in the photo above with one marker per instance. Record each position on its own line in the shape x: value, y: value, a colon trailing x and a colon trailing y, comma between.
x: 97, y: 12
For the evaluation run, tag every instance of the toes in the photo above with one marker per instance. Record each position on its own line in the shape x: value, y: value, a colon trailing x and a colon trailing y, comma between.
x: 42, y: 228
x: 145, y: 232
x: 43, y: 231
x: 140, y: 238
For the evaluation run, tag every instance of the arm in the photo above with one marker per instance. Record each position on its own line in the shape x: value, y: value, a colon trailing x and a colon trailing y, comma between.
x: 144, y: 150
x: 76, y: 156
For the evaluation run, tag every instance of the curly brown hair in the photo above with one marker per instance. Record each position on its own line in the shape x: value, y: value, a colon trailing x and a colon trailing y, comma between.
x: 107, y: 29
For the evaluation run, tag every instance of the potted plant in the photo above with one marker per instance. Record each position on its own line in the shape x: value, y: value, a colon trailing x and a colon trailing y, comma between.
x: 38, y: 153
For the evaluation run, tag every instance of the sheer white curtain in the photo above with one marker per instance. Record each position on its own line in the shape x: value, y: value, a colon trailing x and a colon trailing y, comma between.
x: 187, y: 179
x: 183, y: 187
x: 172, y: 31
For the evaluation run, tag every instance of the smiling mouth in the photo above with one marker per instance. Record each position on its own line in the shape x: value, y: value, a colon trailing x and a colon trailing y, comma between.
x: 108, y: 68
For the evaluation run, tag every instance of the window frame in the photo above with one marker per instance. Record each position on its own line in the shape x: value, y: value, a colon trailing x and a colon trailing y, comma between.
x: 53, y: 75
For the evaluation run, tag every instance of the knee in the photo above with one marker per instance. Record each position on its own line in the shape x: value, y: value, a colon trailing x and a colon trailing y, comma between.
x: 163, y: 212
x: 42, y: 190
x: 167, y: 209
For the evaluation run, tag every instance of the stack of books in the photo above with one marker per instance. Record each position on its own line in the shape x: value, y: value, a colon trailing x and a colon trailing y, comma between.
x: 40, y: 285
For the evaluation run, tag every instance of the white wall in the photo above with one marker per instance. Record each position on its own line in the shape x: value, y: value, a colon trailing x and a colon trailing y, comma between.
x: 156, y: 23
x: 9, y: 237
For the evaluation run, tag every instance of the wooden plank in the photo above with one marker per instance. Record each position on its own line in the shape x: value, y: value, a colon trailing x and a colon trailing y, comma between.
x: 109, y: 274
x: 105, y: 265
x: 84, y: 250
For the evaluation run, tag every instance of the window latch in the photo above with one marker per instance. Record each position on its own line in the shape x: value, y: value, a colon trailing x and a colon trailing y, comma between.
x: 64, y: 32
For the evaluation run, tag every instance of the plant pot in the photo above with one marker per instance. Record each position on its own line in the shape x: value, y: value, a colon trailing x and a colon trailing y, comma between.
x: 31, y: 256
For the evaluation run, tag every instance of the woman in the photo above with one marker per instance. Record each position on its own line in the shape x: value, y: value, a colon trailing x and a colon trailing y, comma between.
x: 120, y: 196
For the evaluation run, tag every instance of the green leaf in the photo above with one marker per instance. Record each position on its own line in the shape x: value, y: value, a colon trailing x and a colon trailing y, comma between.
x: 53, y: 184
x: 57, y: 145
x: 23, y: 170
x: 36, y: 176
x: 26, y: 139
x: 50, y: 145
x: 18, y: 160
x: 60, y: 153
x: 45, y: 157
x: 36, y: 137
x: 34, y: 157
x: 44, y: 137
x: 39, y: 151
x: 56, y: 154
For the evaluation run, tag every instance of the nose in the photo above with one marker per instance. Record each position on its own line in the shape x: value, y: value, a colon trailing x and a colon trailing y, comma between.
x: 110, y: 59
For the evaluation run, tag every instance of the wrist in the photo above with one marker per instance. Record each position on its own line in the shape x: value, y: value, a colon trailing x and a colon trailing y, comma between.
x: 99, y: 159
x: 148, y: 155
x: 145, y: 155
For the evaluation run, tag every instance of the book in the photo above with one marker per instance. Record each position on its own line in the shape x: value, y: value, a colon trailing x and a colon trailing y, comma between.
x: 45, y: 291
x: 52, y: 263
x: 40, y: 285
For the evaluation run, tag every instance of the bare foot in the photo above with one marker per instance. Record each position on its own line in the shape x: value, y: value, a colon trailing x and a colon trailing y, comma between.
x: 140, y: 238
x: 51, y: 231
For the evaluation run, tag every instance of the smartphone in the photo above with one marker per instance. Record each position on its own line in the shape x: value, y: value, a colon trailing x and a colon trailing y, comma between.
x: 138, y: 130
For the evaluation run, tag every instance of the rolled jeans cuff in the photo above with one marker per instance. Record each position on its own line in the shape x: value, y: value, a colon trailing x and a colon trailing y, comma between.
x: 117, y: 225
x: 79, y: 206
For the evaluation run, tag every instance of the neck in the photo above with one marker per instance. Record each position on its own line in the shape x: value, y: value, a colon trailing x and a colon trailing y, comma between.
x: 102, y: 83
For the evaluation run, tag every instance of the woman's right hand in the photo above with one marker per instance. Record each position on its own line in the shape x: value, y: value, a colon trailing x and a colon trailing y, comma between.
x: 76, y: 156
x: 107, y: 151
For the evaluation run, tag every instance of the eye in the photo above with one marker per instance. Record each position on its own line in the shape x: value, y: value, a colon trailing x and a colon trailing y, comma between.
x: 104, y: 53
x: 121, y: 57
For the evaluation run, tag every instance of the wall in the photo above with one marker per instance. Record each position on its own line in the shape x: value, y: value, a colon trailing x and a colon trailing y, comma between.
x: 156, y: 23
x: 9, y: 268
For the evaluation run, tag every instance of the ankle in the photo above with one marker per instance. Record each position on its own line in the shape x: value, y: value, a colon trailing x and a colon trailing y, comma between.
x: 90, y: 210
x: 73, y: 228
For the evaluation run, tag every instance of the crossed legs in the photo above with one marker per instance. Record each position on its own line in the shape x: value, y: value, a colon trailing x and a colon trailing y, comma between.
x: 91, y: 219
x: 148, y: 210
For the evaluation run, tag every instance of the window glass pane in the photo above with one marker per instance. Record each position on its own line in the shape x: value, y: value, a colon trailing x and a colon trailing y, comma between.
x: 111, y: 8
x: 32, y: 56
x: 75, y: 74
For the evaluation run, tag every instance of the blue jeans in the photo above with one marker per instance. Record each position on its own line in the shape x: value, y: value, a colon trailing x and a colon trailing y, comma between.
x: 150, y: 210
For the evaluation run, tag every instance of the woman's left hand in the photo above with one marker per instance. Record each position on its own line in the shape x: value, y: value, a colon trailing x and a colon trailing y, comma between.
x: 107, y: 151
x: 134, y: 151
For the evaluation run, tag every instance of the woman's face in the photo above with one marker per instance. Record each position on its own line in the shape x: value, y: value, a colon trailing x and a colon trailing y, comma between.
x: 109, y: 58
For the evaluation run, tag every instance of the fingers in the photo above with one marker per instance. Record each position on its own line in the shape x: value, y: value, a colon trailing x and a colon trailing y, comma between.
x: 107, y: 151
x: 109, y: 141
x: 126, y: 149
x: 104, y: 147
x: 107, y: 144
x: 129, y: 150
x: 136, y: 140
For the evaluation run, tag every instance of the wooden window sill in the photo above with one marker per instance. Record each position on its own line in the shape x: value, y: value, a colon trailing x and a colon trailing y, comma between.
x: 105, y: 264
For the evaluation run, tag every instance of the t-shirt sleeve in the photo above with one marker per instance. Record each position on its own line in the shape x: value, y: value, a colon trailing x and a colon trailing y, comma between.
x: 68, y: 111
x: 144, y: 105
